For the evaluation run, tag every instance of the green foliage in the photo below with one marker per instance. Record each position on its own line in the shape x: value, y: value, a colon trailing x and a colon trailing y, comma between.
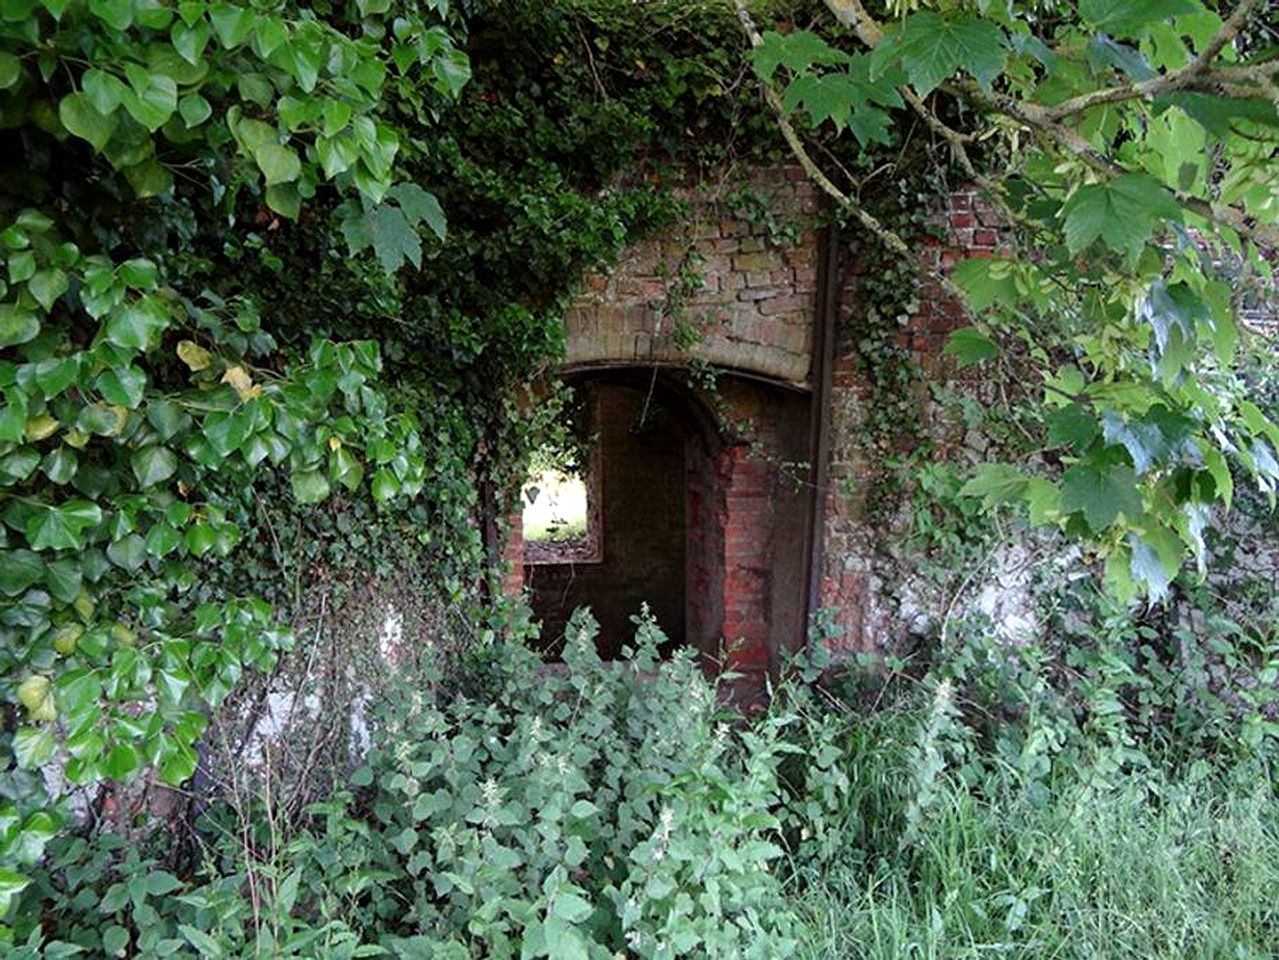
x: 1133, y: 180
x: 610, y: 809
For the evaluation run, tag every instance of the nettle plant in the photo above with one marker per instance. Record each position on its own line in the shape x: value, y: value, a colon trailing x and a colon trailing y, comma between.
x: 611, y: 809
x: 138, y: 389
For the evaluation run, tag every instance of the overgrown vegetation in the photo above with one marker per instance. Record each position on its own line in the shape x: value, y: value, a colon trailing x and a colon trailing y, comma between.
x: 279, y: 280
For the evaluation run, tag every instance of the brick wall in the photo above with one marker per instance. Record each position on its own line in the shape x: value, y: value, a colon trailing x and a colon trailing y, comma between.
x: 849, y: 583
x: 753, y: 311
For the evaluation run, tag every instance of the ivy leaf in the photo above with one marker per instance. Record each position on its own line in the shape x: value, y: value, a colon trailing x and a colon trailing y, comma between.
x: 278, y: 163
x: 59, y: 528
x: 120, y: 762
x: 133, y: 324
x: 968, y: 346
x: 116, y: 14
x: 231, y: 24
x: 1121, y: 212
x: 1101, y: 493
x: 152, y: 465
x: 122, y: 386
x: 310, y: 486
x: 17, y: 325
x: 82, y: 119
x: 153, y: 97
x: 33, y: 747
x: 932, y: 47
x: 10, y: 69
x: 420, y: 206
x: 104, y: 89
x: 47, y: 285
x: 1132, y: 18
x: 128, y: 553
x: 19, y: 569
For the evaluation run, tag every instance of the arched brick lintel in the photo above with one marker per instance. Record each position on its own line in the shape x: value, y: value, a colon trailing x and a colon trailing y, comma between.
x: 580, y: 368
x: 751, y: 352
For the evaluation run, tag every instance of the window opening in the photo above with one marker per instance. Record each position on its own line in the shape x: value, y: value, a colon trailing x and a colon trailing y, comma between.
x: 560, y: 498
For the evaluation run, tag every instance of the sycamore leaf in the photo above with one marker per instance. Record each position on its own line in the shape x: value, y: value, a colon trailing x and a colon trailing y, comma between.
x: 968, y: 346
x: 1101, y: 493
x: 932, y: 48
x: 994, y: 483
x: 1121, y: 212
x: 798, y: 51
x: 986, y: 281
x: 1155, y: 560
x: 1071, y: 426
x: 1132, y: 18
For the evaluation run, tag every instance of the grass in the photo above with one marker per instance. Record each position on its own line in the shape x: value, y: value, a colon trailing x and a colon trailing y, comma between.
x: 1149, y: 868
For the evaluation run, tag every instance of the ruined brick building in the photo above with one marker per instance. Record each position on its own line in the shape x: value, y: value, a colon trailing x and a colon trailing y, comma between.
x: 724, y: 485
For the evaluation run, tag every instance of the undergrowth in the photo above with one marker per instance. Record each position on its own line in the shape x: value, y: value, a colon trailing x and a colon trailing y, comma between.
x: 618, y: 809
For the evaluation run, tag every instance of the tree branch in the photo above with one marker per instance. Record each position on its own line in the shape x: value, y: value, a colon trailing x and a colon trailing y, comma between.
x: 1041, y: 119
x: 889, y: 237
x: 1168, y: 82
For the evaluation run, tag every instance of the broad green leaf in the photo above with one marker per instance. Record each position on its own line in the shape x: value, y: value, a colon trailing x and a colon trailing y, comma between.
x: 33, y: 747
x: 995, y: 483
x: 105, y: 90
x: 83, y: 119
x: 1101, y: 494
x: 149, y: 178
x: 420, y: 206
x: 394, y: 240
x: 932, y: 48
x: 152, y: 465
x: 986, y: 281
x: 10, y: 69
x: 204, y: 944
x: 1121, y: 212
x: 116, y: 14
x: 968, y: 346
x: 1072, y: 427
x: 231, y: 23
x: 1132, y: 18
x: 798, y: 51
x: 122, y: 386
x: 310, y: 486
x: 279, y: 164
x: 120, y: 762
x: 17, y: 325
x: 189, y: 40
x: 133, y: 324
x: 58, y: 528
x: 19, y: 569
x: 128, y: 553
x: 194, y: 110
x: 12, y: 883
x: 152, y: 97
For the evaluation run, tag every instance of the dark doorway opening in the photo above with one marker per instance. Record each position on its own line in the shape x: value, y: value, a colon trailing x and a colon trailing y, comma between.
x: 657, y: 513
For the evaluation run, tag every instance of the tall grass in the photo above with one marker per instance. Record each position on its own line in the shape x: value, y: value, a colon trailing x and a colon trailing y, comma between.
x: 975, y: 861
